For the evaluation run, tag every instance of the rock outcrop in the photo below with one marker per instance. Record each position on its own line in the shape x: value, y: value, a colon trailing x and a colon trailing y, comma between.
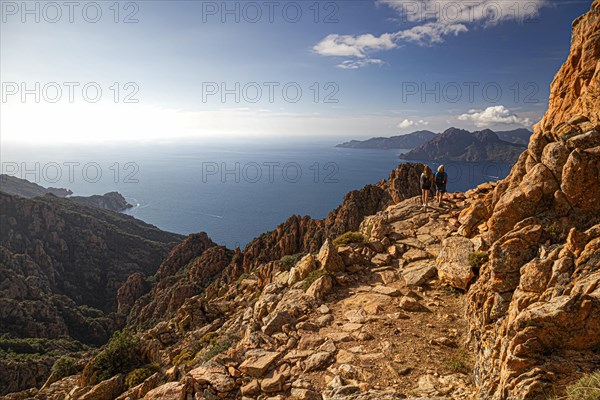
x: 12, y: 185
x: 534, y: 309
x: 112, y: 201
x: 304, y: 234
x: 171, y: 292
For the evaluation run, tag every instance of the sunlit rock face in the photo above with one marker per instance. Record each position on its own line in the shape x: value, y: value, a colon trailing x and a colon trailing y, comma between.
x: 534, y: 309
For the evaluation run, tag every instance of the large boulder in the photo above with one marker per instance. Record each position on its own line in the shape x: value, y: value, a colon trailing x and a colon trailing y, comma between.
x: 139, y: 391
x: 214, y: 375
x: 276, y: 321
x: 258, y: 362
x: 321, y: 287
x: 329, y: 259
x: 106, y: 390
x: 581, y: 179
x: 554, y: 156
x: 453, y: 262
x: 171, y: 391
x: 302, y: 269
x: 419, y: 273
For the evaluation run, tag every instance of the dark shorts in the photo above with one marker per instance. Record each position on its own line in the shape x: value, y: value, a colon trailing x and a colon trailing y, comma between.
x: 426, y: 187
x: 441, y: 189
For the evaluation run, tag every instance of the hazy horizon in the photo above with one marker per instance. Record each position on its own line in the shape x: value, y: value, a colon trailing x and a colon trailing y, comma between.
x: 162, y: 71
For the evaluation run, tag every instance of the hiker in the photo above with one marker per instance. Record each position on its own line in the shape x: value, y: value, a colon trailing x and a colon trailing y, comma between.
x: 426, y: 182
x: 441, y: 180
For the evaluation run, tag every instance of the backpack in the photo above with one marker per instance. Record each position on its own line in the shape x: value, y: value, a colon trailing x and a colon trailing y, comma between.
x: 425, y: 180
x: 440, y: 179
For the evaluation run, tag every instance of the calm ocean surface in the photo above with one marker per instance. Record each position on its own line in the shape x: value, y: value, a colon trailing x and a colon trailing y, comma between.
x: 234, y: 192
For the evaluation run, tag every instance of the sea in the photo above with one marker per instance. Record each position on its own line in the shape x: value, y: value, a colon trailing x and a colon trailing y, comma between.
x: 233, y: 191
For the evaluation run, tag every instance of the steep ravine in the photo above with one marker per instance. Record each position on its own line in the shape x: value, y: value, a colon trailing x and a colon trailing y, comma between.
x: 61, y: 264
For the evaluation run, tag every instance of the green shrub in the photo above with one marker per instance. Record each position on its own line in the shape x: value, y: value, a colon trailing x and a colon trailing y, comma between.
x: 120, y: 355
x: 63, y: 367
x: 24, y: 346
x: 90, y: 312
x: 210, y: 337
x: 312, y: 277
x: 349, y: 237
x: 450, y: 289
x: 32, y: 348
x: 217, y: 348
x: 139, y: 375
x: 478, y: 258
x: 586, y: 388
x: 183, y: 357
x: 289, y: 261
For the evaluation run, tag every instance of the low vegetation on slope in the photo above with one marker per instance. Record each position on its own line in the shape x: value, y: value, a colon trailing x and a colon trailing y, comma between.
x: 61, y: 264
x: 585, y: 388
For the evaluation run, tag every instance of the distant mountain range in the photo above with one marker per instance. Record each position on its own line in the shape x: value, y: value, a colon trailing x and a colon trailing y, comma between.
x: 415, y: 139
x: 21, y: 187
x: 518, y: 136
x: 409, y: 141
x: 461, y: 145
x: 12, y: 185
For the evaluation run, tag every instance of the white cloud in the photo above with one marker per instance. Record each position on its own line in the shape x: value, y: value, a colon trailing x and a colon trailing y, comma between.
x: 355, y: 46
x: 430, y: 33
x: 407, y: 123
x: 494, y: 115
x: 356, y: 64
x: 433, y: 21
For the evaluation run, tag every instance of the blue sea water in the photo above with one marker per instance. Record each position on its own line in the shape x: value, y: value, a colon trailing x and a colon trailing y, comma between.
x: 233, y: 192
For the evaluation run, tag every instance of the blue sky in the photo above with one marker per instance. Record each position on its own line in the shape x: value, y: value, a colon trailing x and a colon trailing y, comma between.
x: 364, y: 67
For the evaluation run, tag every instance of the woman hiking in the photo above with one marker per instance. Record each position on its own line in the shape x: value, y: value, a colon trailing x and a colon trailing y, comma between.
x: 441, y: 180
x: 426, y: 182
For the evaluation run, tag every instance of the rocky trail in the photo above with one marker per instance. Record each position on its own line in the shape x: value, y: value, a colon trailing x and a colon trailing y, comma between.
x: 363, y: 320
x: 378, y: 325
x: 396, y: 325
